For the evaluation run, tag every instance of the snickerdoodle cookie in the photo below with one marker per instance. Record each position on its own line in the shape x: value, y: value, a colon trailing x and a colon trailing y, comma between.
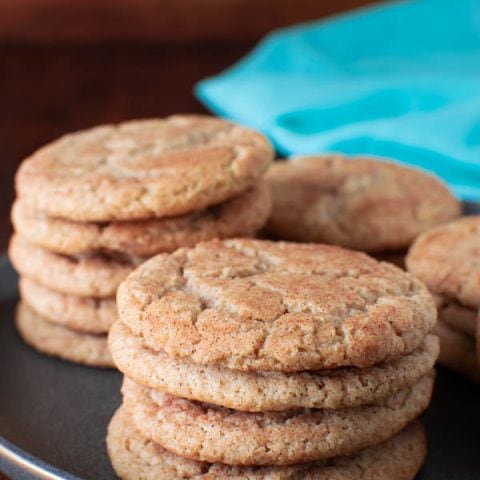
x: 361, y: 203
x: 447, y: 260
x: 458, y: 351
x: 84, y: 276
x: 267, y: 391
x: 206, y: 432
x: 84, y: 314
x: 258, y: 305
x: 241, y: 216
x: 59, y: 341
x: 143, y: 169
x: 135, y: 457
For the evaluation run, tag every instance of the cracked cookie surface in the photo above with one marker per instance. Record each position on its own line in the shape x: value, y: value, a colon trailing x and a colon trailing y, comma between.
x: 447, y: 260
x: 259, y: 305
x: 205, y: 432
x: 267, y: 391
x: 134, y: 457
x: 62, y: 342
x: 143, y: 169
x: 241, y: 216
x: 360, y: 203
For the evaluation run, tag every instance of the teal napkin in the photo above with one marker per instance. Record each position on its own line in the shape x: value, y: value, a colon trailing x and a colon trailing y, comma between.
x: 399, y: 80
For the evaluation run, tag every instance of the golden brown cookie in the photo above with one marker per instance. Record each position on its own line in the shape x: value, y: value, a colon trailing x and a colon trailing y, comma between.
x: 136, y: 458
x: 241, y: 216
x: 84, y: 276
x: 58, y: 341
x: 446, y: 259
x: 205, y: 432
x: 143, y: 169
x: 361, y: 203
x: 257, y: 305
x: 84, y: 314
x: 458, y: 352
x: 267, y: 391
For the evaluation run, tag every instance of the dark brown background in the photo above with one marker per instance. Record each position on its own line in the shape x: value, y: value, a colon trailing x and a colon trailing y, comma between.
x: 66, y: 65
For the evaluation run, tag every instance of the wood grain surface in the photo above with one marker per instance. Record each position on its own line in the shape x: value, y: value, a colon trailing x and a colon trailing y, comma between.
x: 70, y: 65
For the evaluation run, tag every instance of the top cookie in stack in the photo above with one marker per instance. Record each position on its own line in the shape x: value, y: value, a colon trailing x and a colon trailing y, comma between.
x: 96, y: 203
x: 366, y: 204
x: 242, y: 353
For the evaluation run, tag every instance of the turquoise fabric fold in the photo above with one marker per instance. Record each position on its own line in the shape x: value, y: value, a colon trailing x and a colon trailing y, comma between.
x: 399, y: 80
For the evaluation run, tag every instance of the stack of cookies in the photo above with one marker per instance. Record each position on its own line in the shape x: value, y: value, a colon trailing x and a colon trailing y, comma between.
x: 447, y: 260
x: 95, y: 204
x: 252, y: 359
x: 365, y: 204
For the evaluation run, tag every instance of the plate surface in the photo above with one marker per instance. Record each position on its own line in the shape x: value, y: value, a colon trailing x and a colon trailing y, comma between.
x: 58, y: 413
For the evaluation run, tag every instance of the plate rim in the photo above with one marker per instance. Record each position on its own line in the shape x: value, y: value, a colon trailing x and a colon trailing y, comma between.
x: 14, y: 460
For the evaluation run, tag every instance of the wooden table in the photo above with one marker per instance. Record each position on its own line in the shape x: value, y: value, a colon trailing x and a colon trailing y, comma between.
x: 47, y: 91
x: 71, y: 65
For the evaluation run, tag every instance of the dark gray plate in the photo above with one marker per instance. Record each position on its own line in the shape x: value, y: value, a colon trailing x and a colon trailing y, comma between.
x: 58, y: 413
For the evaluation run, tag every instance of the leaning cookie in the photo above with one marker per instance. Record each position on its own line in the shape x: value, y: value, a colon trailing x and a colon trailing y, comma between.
x: 85, y: 276
x: 143, y: 169
x: 58, y: 341
x: 134, y: 457
x: 206, y: 432
x: 361, y: 203
x: 241, y: 216
x: 254, y: 305
x: 267, y: 391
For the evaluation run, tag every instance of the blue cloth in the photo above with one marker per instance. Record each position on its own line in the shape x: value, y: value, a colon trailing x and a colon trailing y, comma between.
x: 399, y: 80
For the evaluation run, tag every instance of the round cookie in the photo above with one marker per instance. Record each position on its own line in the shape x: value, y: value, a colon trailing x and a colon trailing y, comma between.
x: 210, y: 433
x: 143, y: 169
x: 457, y: 352
x: 361, y: 203
x: 84, y: 314
x: 258, y: 305
x: 267, y: 391
x: 62, y: 342
x: 136, y: 458
x: 241, y: 216
x: 446, y: 260
x: 84, y: 276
